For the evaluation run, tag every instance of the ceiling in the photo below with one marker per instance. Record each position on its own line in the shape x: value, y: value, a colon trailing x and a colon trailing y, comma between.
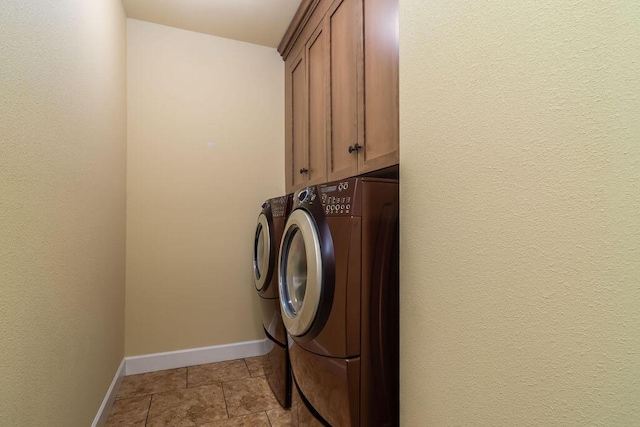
x: 255, y: 21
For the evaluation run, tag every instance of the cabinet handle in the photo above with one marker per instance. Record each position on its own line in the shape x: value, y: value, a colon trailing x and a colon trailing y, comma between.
x: 355, y: 148
x: 304, y: 170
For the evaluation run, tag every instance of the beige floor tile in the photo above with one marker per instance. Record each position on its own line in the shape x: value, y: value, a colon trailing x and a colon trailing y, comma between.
x: 189, y: 407
x: 129, y: 412
x: 249, y: 396
x: 217, y: 372
x: 252, y: 420
x: 255, y: 365
x: 280, y: 417
x: 153, y: 382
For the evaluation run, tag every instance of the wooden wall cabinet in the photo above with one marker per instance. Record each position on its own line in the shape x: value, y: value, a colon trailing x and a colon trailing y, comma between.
x: 341, y: 89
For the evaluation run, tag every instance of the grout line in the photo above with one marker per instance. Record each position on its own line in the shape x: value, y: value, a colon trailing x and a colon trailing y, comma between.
x: 220, y: 382
x: 247, y: 366
x: 226, y: 408
x: 148, y: 411
x: 205, y: 385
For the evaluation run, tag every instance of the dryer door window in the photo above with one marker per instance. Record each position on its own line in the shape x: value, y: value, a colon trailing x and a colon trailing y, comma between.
x: 300, y: 273
x: 296, y: 273
x: 261, y: 252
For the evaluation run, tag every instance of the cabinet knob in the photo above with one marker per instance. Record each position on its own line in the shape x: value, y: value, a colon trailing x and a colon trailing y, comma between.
x: 355, y: 148
x: 304, y: 170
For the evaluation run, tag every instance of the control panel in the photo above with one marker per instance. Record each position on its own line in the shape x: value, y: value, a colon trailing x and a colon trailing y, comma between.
x: 337, y: 197
x: 279, y: 207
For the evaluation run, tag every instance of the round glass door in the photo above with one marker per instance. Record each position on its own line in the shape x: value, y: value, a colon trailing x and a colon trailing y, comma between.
x: 296, y: 273
x: 261, y: 252
x: 300, y: 273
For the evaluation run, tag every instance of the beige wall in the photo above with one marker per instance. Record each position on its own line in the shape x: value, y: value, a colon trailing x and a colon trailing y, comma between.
x: 520, y: 145
x: 62, y: 208
x: 205, y: 149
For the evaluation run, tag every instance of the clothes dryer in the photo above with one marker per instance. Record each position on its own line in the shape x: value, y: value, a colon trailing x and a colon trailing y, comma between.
x: 269, y: 229
x: 338, y: 280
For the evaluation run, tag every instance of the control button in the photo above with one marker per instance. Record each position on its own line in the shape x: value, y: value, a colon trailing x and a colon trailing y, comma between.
x: 302, y: 195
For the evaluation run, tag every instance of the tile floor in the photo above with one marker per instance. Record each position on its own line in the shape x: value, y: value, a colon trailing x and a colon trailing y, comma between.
x: 232, y: 393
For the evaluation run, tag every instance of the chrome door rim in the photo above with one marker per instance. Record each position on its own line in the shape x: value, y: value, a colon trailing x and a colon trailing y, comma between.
x: 260, y: 277
x: 298, y: 324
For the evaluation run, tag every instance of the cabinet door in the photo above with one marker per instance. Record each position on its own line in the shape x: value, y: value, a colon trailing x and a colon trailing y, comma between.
x: 318, y: 93
x: 381, y: 86
x: 343, y: 23
x: 296, y: 108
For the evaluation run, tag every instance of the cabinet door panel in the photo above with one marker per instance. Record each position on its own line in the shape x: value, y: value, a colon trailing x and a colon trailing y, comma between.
x: 317, y: 76
x: 299, y: 125
x: 344, y: 22
x: 381, y: 85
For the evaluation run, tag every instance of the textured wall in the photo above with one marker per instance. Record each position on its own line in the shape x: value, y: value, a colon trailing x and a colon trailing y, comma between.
x: 205, y: 149
x: 520, y: 167
x: 62, y: 208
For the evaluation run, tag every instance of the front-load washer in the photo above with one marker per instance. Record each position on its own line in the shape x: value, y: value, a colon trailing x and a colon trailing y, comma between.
x: 338, y: 279
x: 269, y: 229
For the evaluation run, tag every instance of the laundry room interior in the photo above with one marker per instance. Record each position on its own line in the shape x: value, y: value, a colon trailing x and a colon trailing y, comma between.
x: 319, y: 212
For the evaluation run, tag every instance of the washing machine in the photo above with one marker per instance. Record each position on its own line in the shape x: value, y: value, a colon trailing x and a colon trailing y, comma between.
x: 338, y: 280
x: 269, y: 229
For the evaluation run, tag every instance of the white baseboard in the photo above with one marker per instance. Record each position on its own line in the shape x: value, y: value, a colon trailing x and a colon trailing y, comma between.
x: 105, y: 409
x: 195, y: 356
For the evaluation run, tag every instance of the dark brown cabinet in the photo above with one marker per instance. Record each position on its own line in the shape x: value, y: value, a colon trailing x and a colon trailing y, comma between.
x: 341, y: 88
